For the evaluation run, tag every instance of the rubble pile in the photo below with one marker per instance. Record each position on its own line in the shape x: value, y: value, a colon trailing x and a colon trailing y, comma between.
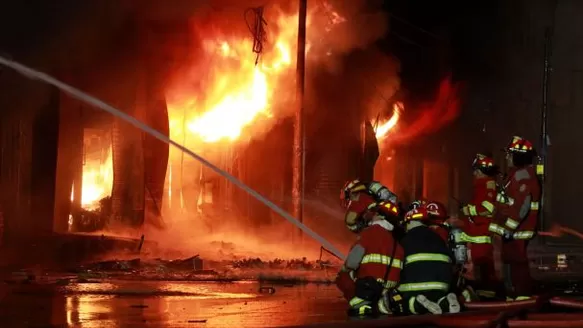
x: 295, y: 270
x: 294, y: 264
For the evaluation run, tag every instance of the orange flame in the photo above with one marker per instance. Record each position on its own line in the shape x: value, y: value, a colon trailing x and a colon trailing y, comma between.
x: 235, y: 94
x: 384, y: 128
x: 97, y: 182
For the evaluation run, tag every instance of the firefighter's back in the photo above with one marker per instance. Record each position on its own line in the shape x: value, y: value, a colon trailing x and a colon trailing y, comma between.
x: 428, y: 267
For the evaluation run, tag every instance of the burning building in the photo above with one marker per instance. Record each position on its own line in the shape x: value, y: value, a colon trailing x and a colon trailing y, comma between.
x: 222, y: 84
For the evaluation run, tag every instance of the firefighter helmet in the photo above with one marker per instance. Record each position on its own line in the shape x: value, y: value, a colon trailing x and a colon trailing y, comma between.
x: 436, y: 211
x: 375, y: 189
x: 390, y: 212
x: 519, y: 145
x: 485, y: 164
x: 417, y: 204
x: 521, y: 151
x: 350, y: 188
x: 417, y: 214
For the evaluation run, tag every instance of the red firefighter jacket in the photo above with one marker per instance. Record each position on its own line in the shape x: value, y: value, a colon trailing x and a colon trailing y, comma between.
x: 379, y: 248
x: 518, y: 205
x: 479, y: 213
x: 382, y: 259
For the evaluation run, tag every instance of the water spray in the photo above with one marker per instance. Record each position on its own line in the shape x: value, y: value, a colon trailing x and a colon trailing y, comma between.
x: 76, y: 93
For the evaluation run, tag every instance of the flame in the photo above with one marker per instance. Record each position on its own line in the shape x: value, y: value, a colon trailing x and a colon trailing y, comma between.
x: 97, y: 182
x: 384, y: 128
x: 233, y: 92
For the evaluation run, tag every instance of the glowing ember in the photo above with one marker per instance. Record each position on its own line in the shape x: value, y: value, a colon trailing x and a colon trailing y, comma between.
x: 97, y: 182
x: 384, y: 128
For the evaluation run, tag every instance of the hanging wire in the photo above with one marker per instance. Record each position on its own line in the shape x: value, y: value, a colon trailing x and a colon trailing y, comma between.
x: 257, y: 29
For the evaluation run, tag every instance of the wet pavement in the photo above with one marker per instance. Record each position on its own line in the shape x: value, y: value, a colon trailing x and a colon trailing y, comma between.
x: 167, y: 304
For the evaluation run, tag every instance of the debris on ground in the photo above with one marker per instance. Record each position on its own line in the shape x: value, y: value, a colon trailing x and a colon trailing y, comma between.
x: 289, y: 272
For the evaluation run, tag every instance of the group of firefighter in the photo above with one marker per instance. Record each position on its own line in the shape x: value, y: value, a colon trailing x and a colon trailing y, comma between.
x: 418, y: 260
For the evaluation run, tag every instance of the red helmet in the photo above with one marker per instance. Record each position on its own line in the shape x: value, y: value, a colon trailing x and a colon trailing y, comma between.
x: 482, y: 162
x: 519, y: 145
x: 436, y: 211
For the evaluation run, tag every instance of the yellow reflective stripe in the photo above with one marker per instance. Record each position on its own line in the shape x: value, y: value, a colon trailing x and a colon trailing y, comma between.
x: 356, y: 301
x: 420, y: 257
x: 417, y: 215
x: 493, y: 227
x: 502, y: 198
x: 511, y: 223
x: 412, y: 305
x: 522, y: 298
x: 523, y: 235
x: 476, y: 239
x: 472, y: 210
x: 422, y: 286
x: 364, y: 309
x: 486, y: 293
x: 388, y: 283
x: 381, y: 259
x: 357, y: 188
x: 489, y: 206
x: 540, y: 169
x: 466, y: 295
x: 534, y: 206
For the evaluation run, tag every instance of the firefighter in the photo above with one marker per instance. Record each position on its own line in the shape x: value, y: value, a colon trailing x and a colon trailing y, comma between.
x: 516, y: 217
x: 478, y: 214
x: 427, y: 273
x: 356, y: 196
x: 372, y: 268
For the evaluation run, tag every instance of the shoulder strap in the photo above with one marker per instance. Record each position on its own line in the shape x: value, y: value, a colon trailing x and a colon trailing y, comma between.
x: 390, y: 265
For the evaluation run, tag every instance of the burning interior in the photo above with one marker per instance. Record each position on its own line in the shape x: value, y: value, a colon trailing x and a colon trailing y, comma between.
x: 221, y: 81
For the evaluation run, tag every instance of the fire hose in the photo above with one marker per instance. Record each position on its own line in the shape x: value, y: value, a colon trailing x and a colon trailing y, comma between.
x: 84, y: 97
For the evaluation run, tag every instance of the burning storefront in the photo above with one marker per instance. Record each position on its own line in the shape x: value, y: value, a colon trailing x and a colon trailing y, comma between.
x: 229, y: 94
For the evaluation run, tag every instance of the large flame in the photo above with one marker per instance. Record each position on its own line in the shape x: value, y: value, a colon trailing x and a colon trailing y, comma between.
x: 225, y: 93
x: 237, y: 90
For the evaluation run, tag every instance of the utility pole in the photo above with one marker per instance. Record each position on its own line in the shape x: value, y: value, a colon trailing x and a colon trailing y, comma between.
x: 298, y: 146
x: 541, y: 165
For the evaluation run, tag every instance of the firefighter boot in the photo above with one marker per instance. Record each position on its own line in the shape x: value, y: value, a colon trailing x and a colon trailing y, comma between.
x: 449, y: 304
x: 431, y: 307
